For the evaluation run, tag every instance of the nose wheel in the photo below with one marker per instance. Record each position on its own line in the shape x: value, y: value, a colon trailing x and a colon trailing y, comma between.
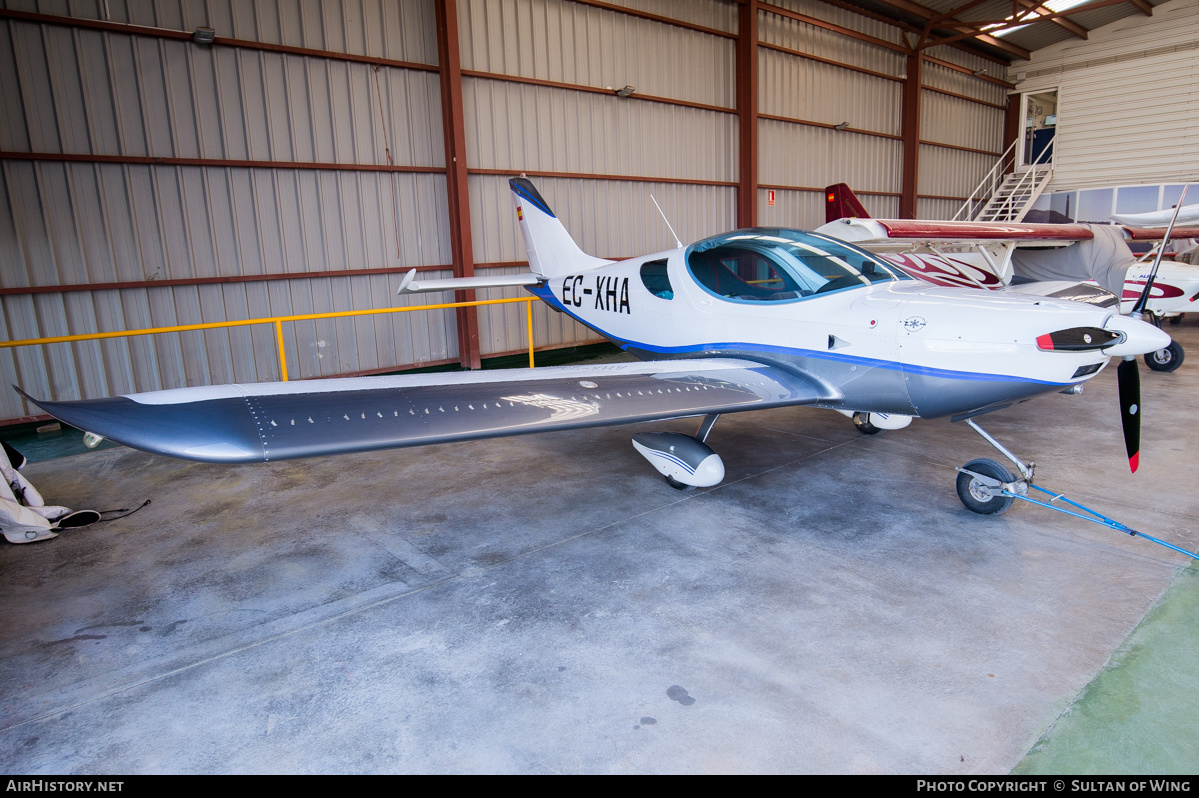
x: 986, y: 486
x: 1166, y: 359
x: 981, y: 484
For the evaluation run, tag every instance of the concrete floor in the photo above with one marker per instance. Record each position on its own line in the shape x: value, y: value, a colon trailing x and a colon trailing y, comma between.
x: 549, y: 604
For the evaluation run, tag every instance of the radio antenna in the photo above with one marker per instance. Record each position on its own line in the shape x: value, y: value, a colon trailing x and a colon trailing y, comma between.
x: 677, y: 243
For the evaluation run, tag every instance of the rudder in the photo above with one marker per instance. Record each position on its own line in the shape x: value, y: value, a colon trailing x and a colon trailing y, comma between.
x: 840, y: 203
x: 552, y: 252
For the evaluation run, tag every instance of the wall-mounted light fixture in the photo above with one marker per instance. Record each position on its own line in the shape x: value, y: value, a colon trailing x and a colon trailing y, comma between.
x: 204, y: 35
x: 979, y: 73
x: 626, y: 91
x: 841, y: 126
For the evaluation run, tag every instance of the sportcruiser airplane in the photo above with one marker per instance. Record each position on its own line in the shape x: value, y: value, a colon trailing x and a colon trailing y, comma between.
x: 751, y: 319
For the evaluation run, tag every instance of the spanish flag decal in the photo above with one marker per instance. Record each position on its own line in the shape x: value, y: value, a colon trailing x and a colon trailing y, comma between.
x: 520, y: 217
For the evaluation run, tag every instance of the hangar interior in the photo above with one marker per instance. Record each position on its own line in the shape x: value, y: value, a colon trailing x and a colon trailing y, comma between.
x: 542, y: 604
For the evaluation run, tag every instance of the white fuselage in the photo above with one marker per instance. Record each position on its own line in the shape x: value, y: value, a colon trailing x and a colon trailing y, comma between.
x: 903, y: 346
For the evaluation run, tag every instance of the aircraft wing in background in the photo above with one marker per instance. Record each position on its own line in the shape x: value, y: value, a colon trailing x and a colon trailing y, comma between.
x: 899, y: 233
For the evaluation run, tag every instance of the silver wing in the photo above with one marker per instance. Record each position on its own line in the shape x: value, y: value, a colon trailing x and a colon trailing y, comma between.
x: 283, y: 420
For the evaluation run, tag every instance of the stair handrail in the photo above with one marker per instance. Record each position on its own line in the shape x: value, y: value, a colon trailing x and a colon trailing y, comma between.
x: 1028, y: 175
x: 979, y: 196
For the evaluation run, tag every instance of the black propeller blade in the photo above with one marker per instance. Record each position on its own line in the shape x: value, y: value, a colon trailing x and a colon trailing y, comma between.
x: 1129, y: 378
x: 1128, y: 374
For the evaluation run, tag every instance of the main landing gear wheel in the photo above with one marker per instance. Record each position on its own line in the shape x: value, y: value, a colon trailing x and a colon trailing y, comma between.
x: 674, y: 483
x: 976, y: 496
x: 862, y: 422
x: 1166, y: 359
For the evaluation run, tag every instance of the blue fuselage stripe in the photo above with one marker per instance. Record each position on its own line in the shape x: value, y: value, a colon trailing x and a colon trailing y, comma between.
x: 673, y: 459
x: 732, y: 348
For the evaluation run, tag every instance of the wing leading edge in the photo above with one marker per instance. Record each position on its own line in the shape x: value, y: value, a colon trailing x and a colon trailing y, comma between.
x: 279, y: 421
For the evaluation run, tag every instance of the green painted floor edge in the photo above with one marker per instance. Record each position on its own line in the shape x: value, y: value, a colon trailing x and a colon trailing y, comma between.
x: 1140, y: 714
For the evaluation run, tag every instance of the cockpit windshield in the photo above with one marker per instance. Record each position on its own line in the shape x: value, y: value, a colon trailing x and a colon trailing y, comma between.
x: 776, y: 265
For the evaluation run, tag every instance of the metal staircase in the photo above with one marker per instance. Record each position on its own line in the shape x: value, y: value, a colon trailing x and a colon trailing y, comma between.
x: 1008, y: 197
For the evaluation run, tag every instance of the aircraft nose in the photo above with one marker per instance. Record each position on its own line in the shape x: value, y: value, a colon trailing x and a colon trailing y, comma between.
x: 1140, y: 337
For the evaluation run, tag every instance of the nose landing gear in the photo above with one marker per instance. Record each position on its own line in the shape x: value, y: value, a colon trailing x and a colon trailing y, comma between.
x: 986, y: 487
x: 981, y: 485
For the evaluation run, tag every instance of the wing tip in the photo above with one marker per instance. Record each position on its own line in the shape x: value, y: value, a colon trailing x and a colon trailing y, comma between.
x: 26, y: 396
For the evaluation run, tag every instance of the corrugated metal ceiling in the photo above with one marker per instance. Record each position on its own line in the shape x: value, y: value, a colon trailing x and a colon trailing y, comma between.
x: 1032, y: 37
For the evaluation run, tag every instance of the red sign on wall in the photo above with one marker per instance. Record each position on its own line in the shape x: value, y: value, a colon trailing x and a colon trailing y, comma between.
x: 770, y: 197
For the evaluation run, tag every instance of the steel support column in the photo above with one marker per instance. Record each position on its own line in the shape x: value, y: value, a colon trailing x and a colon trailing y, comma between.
x: 1011, y: 128
x: 747, y: 112
x: 910, y: 130
x: 454, y: 131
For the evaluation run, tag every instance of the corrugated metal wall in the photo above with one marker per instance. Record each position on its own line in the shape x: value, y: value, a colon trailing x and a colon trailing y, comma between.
x: 794, y: 154
x: 518, y: 127
x: 530, y: 102
x: 956, y: 121
x: 798, y: 155
x: 104, y: 93
x: 1128, y: 111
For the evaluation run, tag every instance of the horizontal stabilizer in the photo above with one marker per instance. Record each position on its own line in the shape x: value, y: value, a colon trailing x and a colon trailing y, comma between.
x: 284, y: 420
x: 411, y: 285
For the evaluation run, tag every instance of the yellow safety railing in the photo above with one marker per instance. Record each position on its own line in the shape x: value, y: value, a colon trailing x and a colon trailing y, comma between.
x: 278, y: 322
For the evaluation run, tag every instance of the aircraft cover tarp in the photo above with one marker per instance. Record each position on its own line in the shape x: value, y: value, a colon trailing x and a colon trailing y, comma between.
x: 1104, y: 259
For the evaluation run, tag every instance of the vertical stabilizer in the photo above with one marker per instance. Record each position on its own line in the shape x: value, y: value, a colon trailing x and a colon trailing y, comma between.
x: 841, y: 203
x: 552, y: 252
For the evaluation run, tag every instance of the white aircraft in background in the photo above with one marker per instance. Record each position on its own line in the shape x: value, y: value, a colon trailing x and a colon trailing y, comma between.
x: 750, y: 319
x: 1029, y: 257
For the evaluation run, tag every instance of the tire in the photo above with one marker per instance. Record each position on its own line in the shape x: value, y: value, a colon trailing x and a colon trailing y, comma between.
x: 975, y: 500
x: 1166, y: 359
x: 862, y: 422
x: 674, y: 483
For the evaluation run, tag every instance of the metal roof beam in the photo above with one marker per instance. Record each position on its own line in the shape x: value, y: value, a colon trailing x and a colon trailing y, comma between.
x: 927, y: 14
x: 1063, y: 23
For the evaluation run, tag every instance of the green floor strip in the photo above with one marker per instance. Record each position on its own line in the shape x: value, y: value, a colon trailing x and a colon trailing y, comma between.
x: 1140, y: 715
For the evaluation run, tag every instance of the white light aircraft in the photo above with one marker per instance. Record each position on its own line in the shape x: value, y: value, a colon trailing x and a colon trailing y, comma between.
x: 755, y: 318
x: 1032, y: 257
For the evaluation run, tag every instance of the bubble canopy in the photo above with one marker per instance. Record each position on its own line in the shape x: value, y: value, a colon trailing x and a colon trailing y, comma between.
x: 771, y: 264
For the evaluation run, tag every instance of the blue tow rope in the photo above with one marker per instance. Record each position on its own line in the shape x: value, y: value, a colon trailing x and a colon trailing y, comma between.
x: 1097, y: 518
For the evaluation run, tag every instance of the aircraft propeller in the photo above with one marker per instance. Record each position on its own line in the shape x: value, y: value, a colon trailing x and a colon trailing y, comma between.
x: 1128, y: 374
